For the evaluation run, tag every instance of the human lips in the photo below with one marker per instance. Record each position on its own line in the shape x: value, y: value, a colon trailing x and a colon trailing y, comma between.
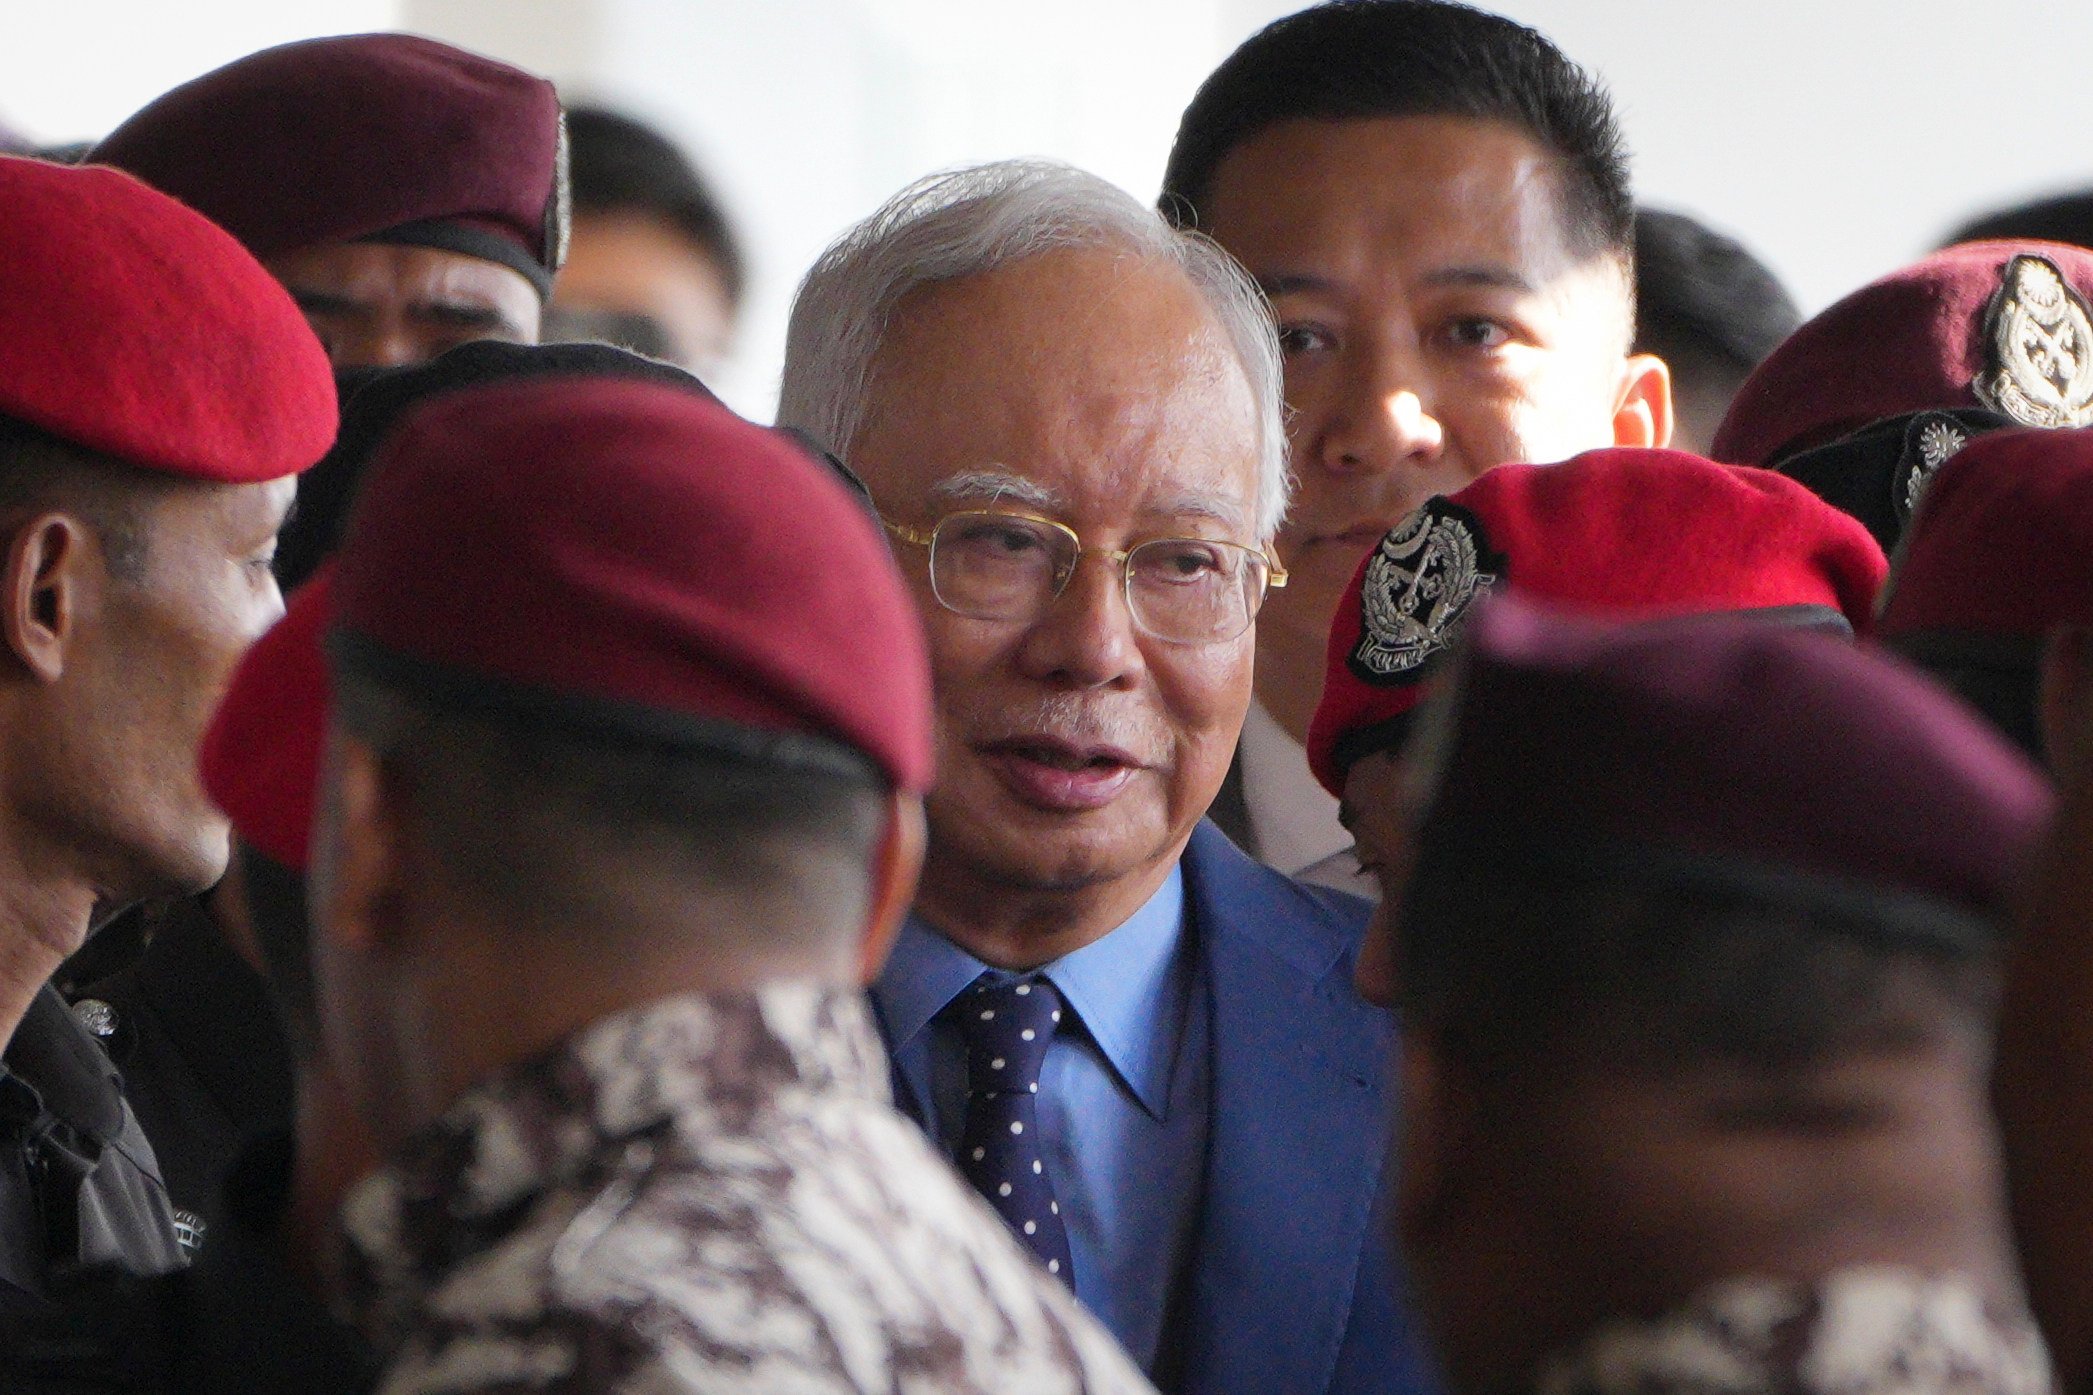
x: 1058, y: 775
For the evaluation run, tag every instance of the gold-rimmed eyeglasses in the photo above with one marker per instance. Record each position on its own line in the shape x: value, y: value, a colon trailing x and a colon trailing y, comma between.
x: 992, y: 564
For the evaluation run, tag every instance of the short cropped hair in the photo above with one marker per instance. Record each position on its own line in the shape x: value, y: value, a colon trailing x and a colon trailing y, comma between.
x: 622, y: 165
x: 1707, y: 307
x: 973, y: 221
x: 1364, y: 59
x: 555, y: 825
x: 1652, y: 977
x: 40, y: 471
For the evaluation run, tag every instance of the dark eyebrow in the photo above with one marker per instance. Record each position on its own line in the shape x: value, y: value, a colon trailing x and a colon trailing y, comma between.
x: 1292, y: 281
x: 1500, y: 278
x: 322, y: 302
x: 463, y: 314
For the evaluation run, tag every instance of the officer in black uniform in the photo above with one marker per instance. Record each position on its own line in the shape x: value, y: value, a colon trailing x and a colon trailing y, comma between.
x: 158, y: 391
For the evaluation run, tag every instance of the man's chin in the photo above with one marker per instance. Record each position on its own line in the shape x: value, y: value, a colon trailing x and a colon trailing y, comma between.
x: 1063, y: 853
x: 185, y: 866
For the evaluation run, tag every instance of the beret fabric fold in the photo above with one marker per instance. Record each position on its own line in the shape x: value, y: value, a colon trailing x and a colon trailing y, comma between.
x: 635, y: 558
x: 134, y: 328
x: 1955, y: 329
x: 363, y: 135
x: 2003, y: 544
x: 1784, y: 763
x: 376, y: 399
x: 260, y: 758
x: 1624, y: 532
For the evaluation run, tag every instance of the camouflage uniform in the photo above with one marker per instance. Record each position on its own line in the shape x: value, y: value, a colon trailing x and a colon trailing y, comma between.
x: 1862, y: 1331
x: 706, y: 1194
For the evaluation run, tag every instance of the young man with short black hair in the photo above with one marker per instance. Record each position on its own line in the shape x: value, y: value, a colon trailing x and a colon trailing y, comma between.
x: 1436, y: 202
x: 158, y: 393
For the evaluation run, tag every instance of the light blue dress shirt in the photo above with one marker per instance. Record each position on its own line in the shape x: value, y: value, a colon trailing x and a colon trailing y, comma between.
x: 1123, y: 1098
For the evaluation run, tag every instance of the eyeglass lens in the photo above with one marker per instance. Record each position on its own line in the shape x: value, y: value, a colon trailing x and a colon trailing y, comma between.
x: 1000, y: 567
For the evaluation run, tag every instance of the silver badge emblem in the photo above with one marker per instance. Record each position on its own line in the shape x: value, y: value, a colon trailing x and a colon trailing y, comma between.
x: 189, y: 1231
x: 1933, y: 440
x: 2040, y: 345
x: 1421, y: 580
x: 96, y: 1016
x: 559, y: 206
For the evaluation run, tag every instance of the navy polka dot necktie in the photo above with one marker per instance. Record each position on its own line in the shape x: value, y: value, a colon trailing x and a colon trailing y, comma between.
x: 1008, y: 1025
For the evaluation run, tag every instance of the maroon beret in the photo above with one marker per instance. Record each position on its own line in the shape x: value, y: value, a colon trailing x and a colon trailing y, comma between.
x: 2000, y: 553
x: 633, y: 557
x: 1998, y: 325
x: 1621, y: 531
x: 1774, y: 761
x: 261, y: 754
x: 360, y: 137
x: 134, y: 328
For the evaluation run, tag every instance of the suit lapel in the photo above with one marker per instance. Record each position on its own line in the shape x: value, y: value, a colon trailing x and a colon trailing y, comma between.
x: 1297, y: 1131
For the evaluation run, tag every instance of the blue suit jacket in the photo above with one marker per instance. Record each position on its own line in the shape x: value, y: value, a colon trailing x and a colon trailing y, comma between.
x: 1294, y: 1285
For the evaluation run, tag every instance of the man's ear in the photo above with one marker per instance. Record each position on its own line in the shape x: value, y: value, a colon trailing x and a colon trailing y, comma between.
x: 896, y: 863
x: 50, y: 577
x: 1642, y: 414
x: 360, y: 846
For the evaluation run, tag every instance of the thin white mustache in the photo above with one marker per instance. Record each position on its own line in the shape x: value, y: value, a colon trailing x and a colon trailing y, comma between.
x: 1076, y: 720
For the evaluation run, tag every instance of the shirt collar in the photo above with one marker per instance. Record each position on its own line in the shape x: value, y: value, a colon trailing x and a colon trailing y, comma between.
x: 1125, y: 987
x: 1292, y: 817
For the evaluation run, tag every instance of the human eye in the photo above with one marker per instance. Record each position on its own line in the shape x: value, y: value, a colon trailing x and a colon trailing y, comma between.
x: 1303, y: 337
x: 997, y: 535
x: 1181, y: 561
x: 1476, y: 332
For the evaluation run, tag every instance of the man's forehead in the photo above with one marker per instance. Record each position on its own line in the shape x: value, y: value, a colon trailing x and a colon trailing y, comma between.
x: 1094, y: 373
x: 1460, y: 201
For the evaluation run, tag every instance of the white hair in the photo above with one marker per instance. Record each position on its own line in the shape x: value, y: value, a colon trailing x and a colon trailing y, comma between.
x: 969, y: 221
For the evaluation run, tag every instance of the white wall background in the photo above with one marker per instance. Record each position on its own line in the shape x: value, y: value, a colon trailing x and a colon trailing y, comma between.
x: 1837, y: 137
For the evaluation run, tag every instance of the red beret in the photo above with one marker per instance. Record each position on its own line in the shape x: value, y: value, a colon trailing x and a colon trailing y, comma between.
x: 1622, y: 531
x: 633, y: 556
x: 1999, y: 325
x: 261, y: 754
x: 132, y: 327
x: 1780, y: 762
x: 332, y: 140
x: 2003, y: 546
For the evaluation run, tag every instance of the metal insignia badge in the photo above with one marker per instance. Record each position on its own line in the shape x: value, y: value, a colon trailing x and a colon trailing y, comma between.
x: 2039, y: 343
x: 559, y: 205
x: 1421, y: 580
x: 1928, y: 442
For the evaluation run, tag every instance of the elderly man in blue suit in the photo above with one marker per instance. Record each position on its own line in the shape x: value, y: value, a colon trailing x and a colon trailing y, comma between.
x: 1142, y: 1048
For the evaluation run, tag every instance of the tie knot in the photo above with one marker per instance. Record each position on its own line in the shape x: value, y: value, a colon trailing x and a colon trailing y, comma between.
x: 1007, y: 1025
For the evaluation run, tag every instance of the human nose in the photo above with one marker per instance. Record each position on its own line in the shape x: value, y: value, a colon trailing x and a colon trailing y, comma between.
x: 386, y: 344
x: 1085, y: 637
x: 1379, y: 420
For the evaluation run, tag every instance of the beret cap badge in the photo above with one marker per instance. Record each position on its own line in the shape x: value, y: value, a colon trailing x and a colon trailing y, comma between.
x: 1423, y: 577
x: 559, y: 204
x: 1931, y: 438
x: 2039, y: 343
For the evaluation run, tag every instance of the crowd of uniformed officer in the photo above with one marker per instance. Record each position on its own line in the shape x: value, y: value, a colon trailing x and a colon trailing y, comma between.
x: 477, y: 977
